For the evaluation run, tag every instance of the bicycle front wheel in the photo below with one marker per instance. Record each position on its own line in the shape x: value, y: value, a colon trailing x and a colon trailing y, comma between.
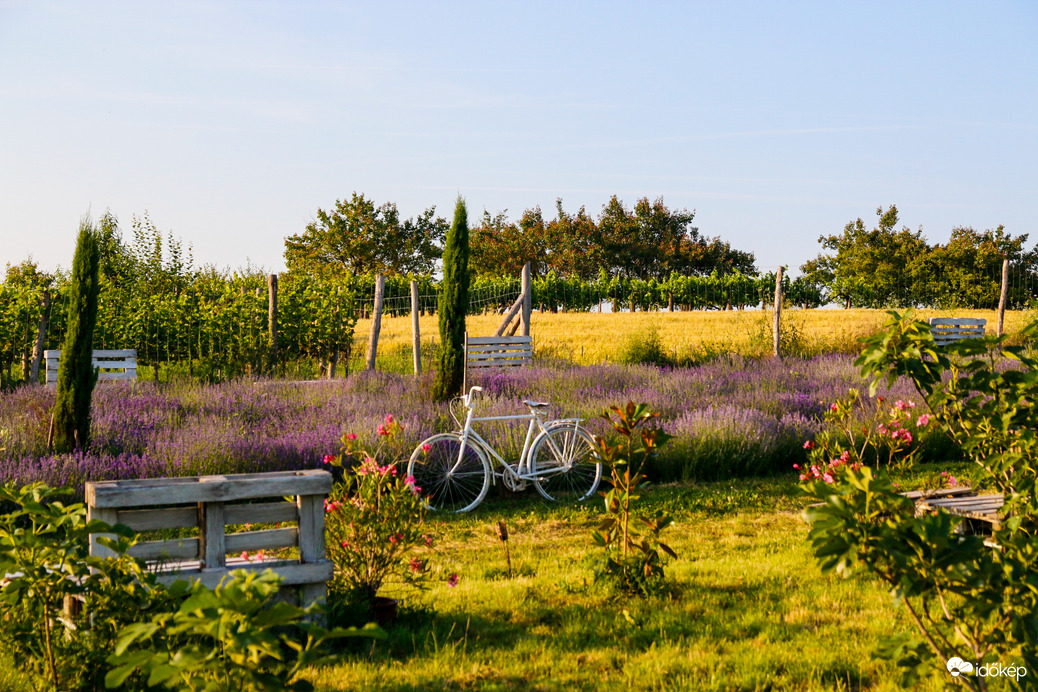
x: 446, y: 483
x: 565, y: 455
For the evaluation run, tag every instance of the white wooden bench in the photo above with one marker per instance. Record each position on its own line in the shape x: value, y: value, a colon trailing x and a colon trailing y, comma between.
x: 946, y: 330
x: 108, y: 362
x: 496, y: 352
x: 208, y: 505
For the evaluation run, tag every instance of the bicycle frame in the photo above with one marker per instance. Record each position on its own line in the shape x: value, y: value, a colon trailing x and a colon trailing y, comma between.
x: 522, y: 470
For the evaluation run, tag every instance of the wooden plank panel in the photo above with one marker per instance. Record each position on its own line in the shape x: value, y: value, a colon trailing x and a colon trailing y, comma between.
x: 498, y: 364
x: 270, y: 539
x: 172, y: 549
x: 151, y: 519
x: 260, y: 513
x: 208, y: 488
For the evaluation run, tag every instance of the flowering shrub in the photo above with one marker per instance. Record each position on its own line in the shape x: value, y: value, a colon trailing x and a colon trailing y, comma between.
x: 966, y: 596
x: 374, y: 521
x: 889, y: 437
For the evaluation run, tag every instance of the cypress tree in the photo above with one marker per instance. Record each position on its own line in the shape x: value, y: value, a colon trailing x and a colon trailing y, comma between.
x: 76, y: 374
x: 453, y: 304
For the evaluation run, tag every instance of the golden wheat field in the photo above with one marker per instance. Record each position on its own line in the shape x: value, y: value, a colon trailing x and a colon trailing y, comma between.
x: 588, y: 338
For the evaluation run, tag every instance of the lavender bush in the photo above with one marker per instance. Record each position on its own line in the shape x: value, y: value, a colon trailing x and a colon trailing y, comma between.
x: 731, y: 417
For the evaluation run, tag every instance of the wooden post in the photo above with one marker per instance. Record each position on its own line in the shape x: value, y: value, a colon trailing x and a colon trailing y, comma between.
x: 1002, y: 296
x: 41, y: 337
x: 376, y: 320
x: 415, y: 330
x: 527, y: 289
x: 272, y: 317
x: 778, y: 313
x: 516, y: 306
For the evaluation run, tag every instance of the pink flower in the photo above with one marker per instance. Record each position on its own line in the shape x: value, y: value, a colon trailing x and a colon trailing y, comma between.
x: 351, y: 436
x: 389, y: 419
x: 903, y: 405
x: 834, y: 407
x: 416, y: 565
x: 258, y: 556
x: 952, y: 481
x: 924, y: 420
x: 382, y: 430
x: 426, y: 448
x: 428, y: 540
x: 809, y: 445
x: 244, y: 555
x: 328, y: 458
x: 452, y: 580
x: 396, y: 538
x: 828, y: 478
x: 796, y: 466
x: 345, y: 544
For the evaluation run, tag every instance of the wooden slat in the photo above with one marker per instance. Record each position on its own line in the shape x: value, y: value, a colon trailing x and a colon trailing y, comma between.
x: 974, y: 321
x: 152, y: 519
x: 495, y: 352
x: 499, y: 340
x: 943, y: 492
x: 55, y: 353
x: 270, y: 539
x: 260, y: 513
x: 134, y: 493
x: 291, y: 574
x: 511, y: 355
x: 311, y: 528
x: 173, y: 549
x: 498, y: 364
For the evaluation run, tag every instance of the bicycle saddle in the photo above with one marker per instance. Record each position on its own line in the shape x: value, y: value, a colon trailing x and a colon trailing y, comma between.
x: 535, y: 404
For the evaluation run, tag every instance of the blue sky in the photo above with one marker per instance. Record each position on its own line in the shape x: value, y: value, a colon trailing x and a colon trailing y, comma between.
x: 232, y: 123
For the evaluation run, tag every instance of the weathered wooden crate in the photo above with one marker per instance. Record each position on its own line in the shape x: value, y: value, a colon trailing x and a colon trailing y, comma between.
x: 945, y: 330
x: 209, y: 504
x: 116, y: 365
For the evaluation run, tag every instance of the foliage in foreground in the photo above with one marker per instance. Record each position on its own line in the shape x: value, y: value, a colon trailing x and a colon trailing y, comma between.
x: 63, y: 612
x: 44, y: 543
x: 967, y: 599
x: 633, y: 560
x: 374, y: 522
x: 235, y: 638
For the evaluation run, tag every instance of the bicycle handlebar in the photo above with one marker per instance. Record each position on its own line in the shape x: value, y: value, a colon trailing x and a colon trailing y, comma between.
x: 467, y: 399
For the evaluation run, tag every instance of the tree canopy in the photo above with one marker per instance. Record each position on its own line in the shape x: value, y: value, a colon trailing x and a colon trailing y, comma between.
x: 887, y: 267
x: 646, y: 241
x: 359, y: 237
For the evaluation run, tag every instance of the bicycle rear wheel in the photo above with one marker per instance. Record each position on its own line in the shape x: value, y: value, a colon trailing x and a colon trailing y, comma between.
x: 451, y: 491
x: 566, y: 451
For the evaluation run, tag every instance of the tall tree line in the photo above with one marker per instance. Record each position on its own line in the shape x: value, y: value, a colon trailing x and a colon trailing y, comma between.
x: 887, y: 266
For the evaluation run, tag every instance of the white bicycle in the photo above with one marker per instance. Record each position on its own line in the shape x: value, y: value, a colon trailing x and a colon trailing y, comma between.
x: 454, y: 469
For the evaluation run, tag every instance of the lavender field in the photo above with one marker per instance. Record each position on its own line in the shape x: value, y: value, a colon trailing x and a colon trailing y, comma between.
x: 733, y: 417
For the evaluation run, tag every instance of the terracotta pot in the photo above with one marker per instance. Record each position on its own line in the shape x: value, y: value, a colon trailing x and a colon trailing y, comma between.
x: 384, y: 610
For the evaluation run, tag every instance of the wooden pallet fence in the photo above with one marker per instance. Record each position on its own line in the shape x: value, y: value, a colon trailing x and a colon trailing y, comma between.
x: 115, y: 365
x: 206, y: 506
x: 946, y: 330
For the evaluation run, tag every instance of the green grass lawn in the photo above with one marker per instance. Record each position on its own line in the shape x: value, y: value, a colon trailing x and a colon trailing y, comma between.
x: 748, y: 610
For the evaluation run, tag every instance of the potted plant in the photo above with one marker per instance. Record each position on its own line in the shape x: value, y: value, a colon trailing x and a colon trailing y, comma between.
x: 374, y: 525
